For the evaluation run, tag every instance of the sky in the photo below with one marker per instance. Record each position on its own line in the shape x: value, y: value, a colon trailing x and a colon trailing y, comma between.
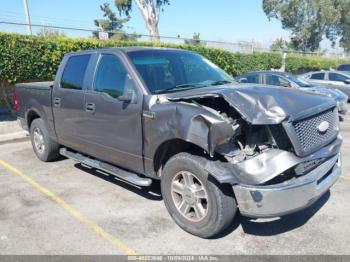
x: 220, y: 20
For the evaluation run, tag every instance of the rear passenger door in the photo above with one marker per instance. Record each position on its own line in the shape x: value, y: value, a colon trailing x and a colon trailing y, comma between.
x: 113, y: 128
x: 68, y: 100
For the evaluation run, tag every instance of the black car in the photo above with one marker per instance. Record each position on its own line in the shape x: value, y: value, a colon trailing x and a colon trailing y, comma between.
x: 344, y: 67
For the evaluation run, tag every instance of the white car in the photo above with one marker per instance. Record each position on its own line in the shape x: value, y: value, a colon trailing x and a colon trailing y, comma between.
x: 330, y: 79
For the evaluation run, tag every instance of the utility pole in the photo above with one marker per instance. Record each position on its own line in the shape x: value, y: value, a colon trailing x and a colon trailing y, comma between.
x: 26, y: 12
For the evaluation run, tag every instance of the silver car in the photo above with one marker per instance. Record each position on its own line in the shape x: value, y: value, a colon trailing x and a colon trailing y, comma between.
x: 331, y: 79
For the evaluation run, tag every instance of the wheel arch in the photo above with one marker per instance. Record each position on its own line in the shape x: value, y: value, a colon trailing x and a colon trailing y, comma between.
x: 172, y: 147
x: 31, y: 115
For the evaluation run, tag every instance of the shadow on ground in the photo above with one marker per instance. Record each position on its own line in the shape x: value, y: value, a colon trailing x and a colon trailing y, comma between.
x: 276, y: 226
x: 257, y: 227
x: 152, y: 192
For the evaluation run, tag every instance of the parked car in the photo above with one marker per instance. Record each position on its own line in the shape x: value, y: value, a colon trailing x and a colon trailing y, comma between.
x: 330, y: 79
x: 283, y: 79
x: 216, y: 147
x: 344, y: 67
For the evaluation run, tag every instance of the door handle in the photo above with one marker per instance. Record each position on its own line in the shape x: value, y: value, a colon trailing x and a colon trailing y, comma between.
x: 90, y: 107
x: 57, y: 102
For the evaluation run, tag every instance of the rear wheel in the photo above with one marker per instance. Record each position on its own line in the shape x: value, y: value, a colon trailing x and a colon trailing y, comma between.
x: 44, y: 147
x: 198, y: 204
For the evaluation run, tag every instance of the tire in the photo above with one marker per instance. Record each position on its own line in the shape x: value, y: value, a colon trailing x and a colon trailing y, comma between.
x: 44, y: 147
x: 216, y: 211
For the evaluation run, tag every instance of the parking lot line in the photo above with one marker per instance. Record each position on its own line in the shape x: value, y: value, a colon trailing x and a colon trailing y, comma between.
x: 344, y: 177
x: 79, y: 216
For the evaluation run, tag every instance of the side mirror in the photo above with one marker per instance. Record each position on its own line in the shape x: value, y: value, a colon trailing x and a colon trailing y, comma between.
x: 243, y: 80
x: 127, y: 97
x: 347, y: 81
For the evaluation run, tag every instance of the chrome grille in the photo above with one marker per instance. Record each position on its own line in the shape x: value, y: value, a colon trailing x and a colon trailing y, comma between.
x: 305, y: 134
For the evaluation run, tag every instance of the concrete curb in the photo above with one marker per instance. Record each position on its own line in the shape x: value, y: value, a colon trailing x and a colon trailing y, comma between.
x: 6, y: 138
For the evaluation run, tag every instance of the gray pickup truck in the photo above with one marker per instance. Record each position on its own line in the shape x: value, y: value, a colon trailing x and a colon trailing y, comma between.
x: 216, y: 146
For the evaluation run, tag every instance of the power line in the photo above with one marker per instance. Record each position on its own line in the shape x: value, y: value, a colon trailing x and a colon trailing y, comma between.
x: 113, y: 32
x: 27, y: 16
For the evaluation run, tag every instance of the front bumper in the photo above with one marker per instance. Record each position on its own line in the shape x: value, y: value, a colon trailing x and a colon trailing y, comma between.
x: 290, y: 196
x: 342, y: 107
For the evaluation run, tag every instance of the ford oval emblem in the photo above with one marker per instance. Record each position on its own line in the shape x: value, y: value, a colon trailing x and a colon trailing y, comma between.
x: 323, y: 127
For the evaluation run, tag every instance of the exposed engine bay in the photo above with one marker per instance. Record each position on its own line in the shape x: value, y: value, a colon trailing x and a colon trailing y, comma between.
x: 255, y: 154
x: 248, y: 140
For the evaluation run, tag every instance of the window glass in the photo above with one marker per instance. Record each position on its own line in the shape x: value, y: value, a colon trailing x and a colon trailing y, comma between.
x: 317, y: 76
x: 157, y: 72
x: 254, y: 79
x: 276, y: 81
x: 111, y: 76
x: 74, y: 72
x: 297, y: 80
x: 344, y: 68
x: 337, y: 77
x: 171, y: 70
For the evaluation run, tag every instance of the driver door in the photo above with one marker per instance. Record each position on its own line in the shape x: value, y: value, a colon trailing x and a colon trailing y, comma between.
x: 113, y: 126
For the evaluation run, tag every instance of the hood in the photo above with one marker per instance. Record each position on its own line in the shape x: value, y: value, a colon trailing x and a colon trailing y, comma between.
x: 336, y: 94
x: 261, y: 105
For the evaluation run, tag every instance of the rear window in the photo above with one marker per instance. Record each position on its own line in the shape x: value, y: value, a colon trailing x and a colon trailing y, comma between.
x: 344, y: 67
x: 317, y: 76
x: 74, y: 72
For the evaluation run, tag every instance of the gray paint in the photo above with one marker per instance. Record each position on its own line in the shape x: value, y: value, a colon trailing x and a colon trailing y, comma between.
x: 129, y: 134
x: 262, y: 105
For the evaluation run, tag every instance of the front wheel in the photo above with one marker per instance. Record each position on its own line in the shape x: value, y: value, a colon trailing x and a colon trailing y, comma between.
x: 197, y: 203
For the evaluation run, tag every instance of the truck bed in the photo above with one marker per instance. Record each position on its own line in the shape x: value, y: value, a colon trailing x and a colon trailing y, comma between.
x: 36, y: 85
x: 35, y: 95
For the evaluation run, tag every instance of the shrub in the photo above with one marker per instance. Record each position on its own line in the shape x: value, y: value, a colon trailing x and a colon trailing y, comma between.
x: 32, y: 58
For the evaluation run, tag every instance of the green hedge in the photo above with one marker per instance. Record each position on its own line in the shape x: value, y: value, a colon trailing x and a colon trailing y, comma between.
x: 31, y: 58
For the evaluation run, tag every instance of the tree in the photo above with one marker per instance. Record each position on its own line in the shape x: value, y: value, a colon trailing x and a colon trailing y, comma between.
x: 280, y: 44
x: 150, y: 11
x: 195, y: 40
x: 343, y: 26
x: 308, y: 20
x: 49, y: 32
x: 113, y: 25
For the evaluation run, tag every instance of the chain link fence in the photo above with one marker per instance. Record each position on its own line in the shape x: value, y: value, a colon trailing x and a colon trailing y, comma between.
x: 16, y: 26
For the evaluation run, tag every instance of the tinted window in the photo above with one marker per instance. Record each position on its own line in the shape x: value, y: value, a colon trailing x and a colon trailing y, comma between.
x: 111, y: 76
x: 254, y: 79
x: 73, y: 75
x: 276, y: 80
x: 344, y: 68
x: 317, y: 76
x: 337, y: 77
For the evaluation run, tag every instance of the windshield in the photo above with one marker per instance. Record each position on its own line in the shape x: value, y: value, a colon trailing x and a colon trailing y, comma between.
x: 298, y: 80
x: 166, y: 71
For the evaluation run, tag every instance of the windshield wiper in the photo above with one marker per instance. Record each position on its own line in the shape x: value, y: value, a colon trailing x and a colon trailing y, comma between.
x: 179, y: 87
x: 221, y: 82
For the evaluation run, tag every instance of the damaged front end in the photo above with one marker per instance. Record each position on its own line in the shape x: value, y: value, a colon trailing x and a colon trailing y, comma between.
x: 278, y: 162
